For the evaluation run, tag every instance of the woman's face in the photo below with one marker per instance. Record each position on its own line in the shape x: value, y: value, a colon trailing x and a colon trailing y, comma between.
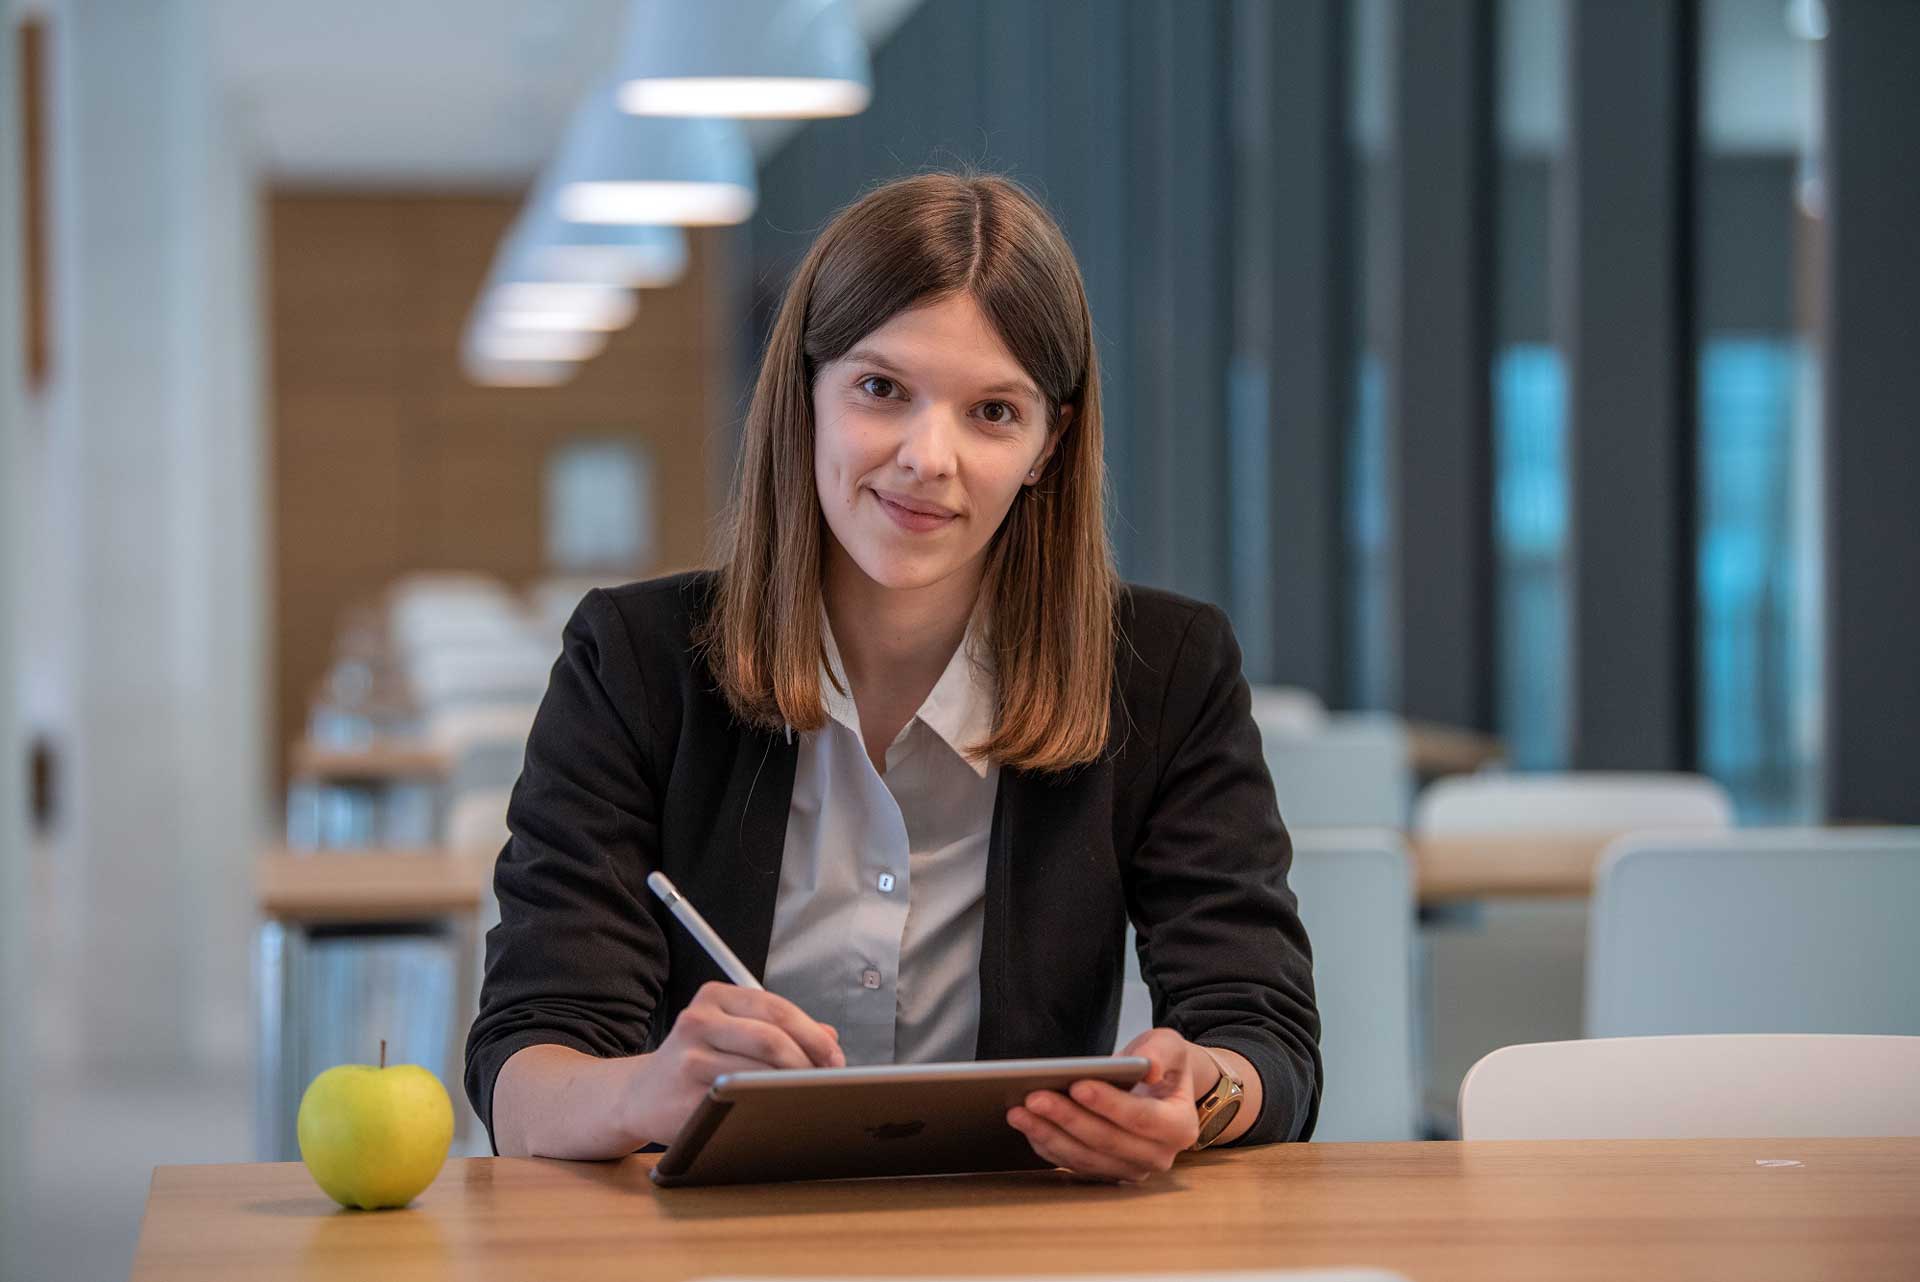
x: 924, y: 434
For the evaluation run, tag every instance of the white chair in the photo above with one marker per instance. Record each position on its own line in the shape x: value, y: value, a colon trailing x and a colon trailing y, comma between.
x: 431, y: 609
x: 1352, y: 772
x: 1288, y: 710
x: 1356, y: 901
x: 510, y: 671
x: 1715, y: 1087
x: 477, y: 825
x: 1595, y: 801
x: 477, y: 821
x: 486, y: 742
x: 1778, y: 931
x: 1516, y: 976
x: 551, y: 602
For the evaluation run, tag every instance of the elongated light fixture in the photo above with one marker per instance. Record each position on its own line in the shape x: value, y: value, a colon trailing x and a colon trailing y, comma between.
x: 494, y: 355
x: 535, y: 286
x: 618, y: 168
x: 743, y: 59
x: 498, y: 373
x: 547, y: 247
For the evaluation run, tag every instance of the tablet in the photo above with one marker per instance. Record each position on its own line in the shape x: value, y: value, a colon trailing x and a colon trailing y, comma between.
x: 884, y: 1119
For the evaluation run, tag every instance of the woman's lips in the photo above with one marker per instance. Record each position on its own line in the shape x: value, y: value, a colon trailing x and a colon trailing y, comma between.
x: 908, y: 518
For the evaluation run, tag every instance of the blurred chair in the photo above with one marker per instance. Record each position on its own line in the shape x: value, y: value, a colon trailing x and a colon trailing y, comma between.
x: 1516, y: 975
x: 1781, y: 931
x: 551, y: 602
x: 1571, y: 802
x: 1288, y: 710
x: 1351, y: 772
x: 1728, y: 1086
x: 477, y: 825
x: 1356, y: 901
x: 431, y: 609
x: 486, y: 743
x: 448, y: 585
x: 507, y: 672
x: 477, y: 821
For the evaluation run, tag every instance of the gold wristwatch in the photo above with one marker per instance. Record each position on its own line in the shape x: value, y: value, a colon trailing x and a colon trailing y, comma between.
x: 1218, y: 1105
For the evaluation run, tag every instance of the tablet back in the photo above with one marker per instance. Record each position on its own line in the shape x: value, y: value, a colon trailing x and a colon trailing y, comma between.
x: 853, y: 1123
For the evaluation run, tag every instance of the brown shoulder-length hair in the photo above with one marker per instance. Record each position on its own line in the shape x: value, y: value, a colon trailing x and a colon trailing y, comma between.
x: 1049, y: 588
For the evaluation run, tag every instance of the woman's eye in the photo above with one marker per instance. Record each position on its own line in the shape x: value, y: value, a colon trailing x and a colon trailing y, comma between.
x: 876, y: 385
x: 998, y: 412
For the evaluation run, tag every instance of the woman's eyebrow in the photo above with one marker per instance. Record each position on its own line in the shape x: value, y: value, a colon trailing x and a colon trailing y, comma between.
x: 868, y: 356
x: 1016, y: 388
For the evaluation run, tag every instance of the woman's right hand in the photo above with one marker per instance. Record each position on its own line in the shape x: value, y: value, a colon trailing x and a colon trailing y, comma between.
x: 724, y: 1029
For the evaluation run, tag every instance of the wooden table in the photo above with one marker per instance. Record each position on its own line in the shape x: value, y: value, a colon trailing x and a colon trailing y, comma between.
x: 382, y: 761
x: 1434, y: 749
x: 337, y: 886
x: 299, y: 894
x: 1848, y: 1209
x: 1497, y: 865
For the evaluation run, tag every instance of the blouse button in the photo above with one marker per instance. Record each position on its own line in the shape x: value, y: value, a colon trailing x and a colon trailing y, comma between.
x: 886, y: 883
x: 869, y: 979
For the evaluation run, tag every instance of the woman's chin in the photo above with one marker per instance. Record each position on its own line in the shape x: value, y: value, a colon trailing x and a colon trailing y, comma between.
x: 905, y: 574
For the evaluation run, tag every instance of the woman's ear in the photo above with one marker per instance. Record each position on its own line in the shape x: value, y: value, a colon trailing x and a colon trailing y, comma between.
x: 1064, y: 417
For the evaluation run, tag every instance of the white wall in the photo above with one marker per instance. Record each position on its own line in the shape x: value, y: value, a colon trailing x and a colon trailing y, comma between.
x: 15, y: 1017
x: 149, y: 629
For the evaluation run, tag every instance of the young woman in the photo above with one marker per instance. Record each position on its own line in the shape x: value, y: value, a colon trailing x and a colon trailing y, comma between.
x: 912, y: 749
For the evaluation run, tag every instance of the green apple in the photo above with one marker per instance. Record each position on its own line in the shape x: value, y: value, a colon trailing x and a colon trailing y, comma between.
x: 375, y: 1137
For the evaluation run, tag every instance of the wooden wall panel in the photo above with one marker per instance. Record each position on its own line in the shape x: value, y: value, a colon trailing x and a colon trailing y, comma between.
x: 387, y: 460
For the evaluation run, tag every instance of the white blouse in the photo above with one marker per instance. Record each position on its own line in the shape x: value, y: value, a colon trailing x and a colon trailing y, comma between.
x: 876, y: 929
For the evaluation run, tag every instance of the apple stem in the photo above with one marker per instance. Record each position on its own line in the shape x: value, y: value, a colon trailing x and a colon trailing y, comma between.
x: 383, y: 1052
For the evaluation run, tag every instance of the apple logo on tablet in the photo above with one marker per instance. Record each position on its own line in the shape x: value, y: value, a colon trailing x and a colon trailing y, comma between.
x: 896, y: 1130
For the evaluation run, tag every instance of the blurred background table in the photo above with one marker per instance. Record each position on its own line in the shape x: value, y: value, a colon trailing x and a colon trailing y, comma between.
x: 1434, y: 750
x: 355, y: 946
x: 1471, y: 866
x: 1433, y: 1211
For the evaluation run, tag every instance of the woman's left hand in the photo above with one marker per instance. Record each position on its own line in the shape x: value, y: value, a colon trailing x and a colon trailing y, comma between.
x: 1099, y: 1130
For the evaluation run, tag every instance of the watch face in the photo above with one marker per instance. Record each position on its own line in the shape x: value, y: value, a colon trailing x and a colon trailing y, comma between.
x: 1210, y: 1131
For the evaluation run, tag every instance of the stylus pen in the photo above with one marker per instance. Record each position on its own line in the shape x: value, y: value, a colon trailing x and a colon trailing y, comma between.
x: 697, y: 927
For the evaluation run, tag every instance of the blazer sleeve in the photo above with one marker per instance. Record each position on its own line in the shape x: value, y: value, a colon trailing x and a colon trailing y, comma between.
x: 577, y: 959
x: 1219, y: 933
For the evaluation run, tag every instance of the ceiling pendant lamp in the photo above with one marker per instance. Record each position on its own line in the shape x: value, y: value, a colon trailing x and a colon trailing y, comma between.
x: 618, y: 168
x: 547, y: 247
x: 494, y: 355
x: 497, y: 373
x: 743, y: 59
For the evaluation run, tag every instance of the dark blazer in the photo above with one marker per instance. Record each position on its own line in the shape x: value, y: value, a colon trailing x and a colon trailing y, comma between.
x: 634, y: 763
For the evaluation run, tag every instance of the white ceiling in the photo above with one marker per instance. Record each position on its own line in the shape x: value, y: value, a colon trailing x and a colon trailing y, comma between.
x: 434, y: 93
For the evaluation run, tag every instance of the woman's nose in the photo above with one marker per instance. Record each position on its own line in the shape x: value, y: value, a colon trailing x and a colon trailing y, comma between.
x: 927, y: 449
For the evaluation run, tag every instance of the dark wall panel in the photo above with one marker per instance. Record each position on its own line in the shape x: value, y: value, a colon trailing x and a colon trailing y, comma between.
x: 1438, y: 318
x: 1622, y: 218
x: 1873, y: 413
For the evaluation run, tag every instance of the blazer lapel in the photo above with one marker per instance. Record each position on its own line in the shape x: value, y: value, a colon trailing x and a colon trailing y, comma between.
x: 1012, y: 807
x: 737, y: 894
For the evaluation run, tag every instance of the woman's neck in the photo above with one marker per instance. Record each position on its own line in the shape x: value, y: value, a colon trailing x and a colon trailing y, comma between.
x: 887, y: 635
x: 894, y: 643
